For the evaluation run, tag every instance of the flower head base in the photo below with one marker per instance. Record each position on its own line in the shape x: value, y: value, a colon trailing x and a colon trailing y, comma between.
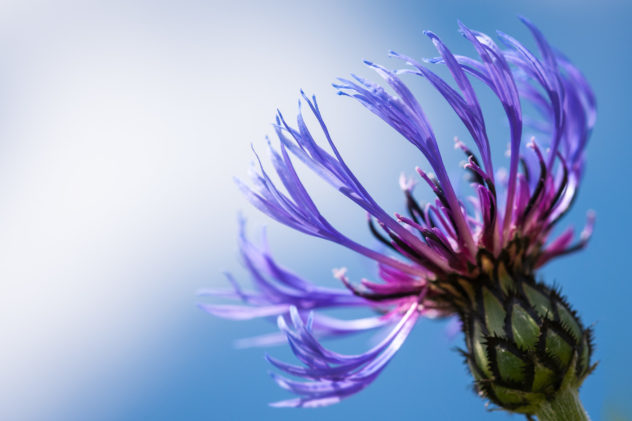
x: 524, y: 342
x: 473, y: 258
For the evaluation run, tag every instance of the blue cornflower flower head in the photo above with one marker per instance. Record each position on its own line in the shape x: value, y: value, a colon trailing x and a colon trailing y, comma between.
x: 471, y: 257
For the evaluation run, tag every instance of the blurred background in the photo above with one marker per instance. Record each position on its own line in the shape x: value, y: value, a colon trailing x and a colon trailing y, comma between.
x: 122, y: 125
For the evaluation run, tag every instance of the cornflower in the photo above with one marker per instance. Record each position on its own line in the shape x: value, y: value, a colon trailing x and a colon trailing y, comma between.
x: 474, y: 257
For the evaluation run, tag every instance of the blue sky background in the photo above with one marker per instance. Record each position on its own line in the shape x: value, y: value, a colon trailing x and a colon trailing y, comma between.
x: 122, y: 124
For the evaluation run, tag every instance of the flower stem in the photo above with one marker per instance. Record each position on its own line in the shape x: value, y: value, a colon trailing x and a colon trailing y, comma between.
x: 565, y: 407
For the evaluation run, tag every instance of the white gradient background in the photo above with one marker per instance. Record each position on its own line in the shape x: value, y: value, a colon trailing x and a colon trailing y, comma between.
x: 122, y: 124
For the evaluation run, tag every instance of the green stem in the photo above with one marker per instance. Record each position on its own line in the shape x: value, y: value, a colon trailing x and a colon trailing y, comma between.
x: 565, y: 407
